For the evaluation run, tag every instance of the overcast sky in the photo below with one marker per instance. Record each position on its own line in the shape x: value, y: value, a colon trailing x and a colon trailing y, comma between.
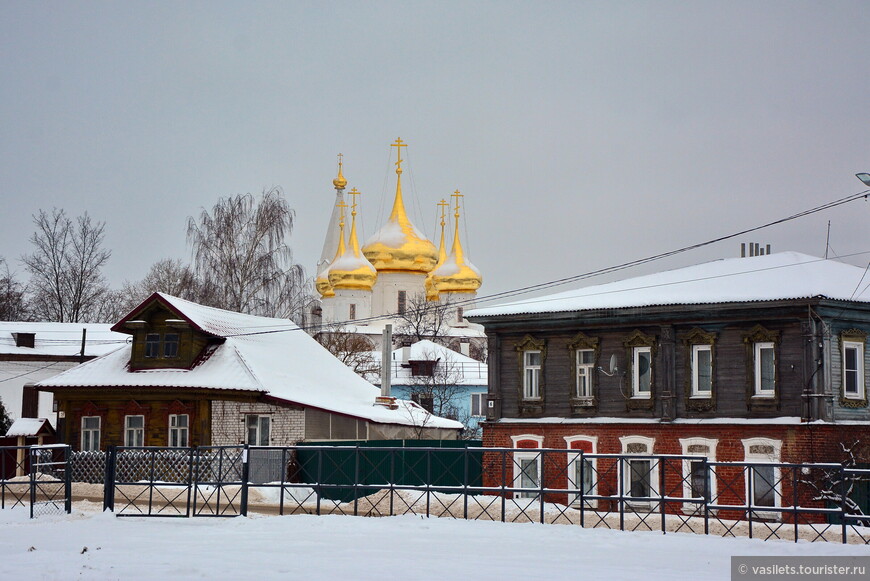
x: 583, y: 134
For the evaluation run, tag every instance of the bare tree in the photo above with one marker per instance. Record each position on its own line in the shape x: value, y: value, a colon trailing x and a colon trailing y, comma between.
x: 837, y: 486
x: 354, y: 350
x: 13, y: 306
x: 170, y: 276
x: 66, y: 280
x: 422, y: 319
x: 240, y: 254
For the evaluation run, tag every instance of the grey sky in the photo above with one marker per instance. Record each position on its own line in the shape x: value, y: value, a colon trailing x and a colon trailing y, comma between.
x: 583, y: 134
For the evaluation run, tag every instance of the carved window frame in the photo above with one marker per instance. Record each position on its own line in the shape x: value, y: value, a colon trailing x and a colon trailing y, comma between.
x: 855, y: 338
x: 531, y: 406
x: 634, y: 340
x: 755, y: 336
x: 583, y: 342
x: 695, y: 401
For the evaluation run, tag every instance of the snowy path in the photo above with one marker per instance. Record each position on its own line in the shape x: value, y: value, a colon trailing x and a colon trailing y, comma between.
x: 358, y: 548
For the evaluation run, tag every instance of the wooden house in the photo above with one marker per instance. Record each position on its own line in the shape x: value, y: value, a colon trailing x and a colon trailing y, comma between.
x: 196, y: 375
x: 748, y: 359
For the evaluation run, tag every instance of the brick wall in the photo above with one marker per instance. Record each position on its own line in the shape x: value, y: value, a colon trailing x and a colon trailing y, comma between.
x: 228, y: 422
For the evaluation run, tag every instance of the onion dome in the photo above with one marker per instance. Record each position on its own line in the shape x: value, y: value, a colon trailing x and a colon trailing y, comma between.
x: 431, y: 290
x: 321, y: 283
x: 456, y: 274
x: 398, y: 246
x: 350, y: 269
x: 339, y: 182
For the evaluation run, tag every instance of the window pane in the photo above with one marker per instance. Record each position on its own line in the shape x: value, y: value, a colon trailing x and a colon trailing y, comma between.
x: 585, y: 357
x: 586, y: 480
x: 763, y: 486
x: 152, y: 344
x: 851, y: 373
x: 767, y: 368
x: 91, y: 422
x: 528, y: 473
x: 704, y: 370
x: 643, y: 371
x: 639, y: 473
x: 533, y: 357
x: 700, y: 478
x: 264, y: 431
x: 170, y: 345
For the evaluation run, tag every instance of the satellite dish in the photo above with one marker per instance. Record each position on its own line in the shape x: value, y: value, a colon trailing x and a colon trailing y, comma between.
x: 613, y: 364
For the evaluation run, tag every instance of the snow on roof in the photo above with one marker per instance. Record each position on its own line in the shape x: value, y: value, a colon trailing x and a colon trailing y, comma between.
x: 60, y: 339
x: 259, y: 354
x: 785, y: 275
x: 458, y: 368
x: 28, y: 427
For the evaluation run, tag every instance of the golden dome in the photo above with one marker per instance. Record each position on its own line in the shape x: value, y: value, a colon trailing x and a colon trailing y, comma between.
x: 456, y: 274
x: 321, y: 283
x: 339, y: 182
x: 398, y: 246
x: 431, y: 289
x: 350, y: 269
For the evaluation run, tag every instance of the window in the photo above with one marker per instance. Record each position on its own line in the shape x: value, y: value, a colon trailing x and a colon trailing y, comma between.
x: 582, y: 470
x: 527, y: 465
x: 532, y: 375
x: 478, y: 404
x: 352, y: 313
x: 152, y: 345
x: 763, y: 480
x: 90, y: 433
x: 460, y: 313
x: 765, y: 369
x: 402, y: 302
x: 258, y: 430
x: 698, y: 481
x: 178, y: 430
x: 853, y: 370
x: 641, y: 372
x: 134, y: 430
x: 170, y: 345
x: 640, y: 475
x: 702, y: 370
x: 585, y: 368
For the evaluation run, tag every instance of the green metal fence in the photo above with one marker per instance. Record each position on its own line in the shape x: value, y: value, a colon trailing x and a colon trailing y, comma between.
x: 441, y: 464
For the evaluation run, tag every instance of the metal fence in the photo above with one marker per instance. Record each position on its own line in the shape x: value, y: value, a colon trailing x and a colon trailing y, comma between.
x: 666, y: 493
x: 36, y: 478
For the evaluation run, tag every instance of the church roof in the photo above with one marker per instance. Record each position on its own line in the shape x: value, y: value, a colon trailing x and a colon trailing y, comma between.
x: 781, y: 276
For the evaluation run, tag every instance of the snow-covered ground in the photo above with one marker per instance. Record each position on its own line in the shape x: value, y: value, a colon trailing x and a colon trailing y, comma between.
x: 89, y: 544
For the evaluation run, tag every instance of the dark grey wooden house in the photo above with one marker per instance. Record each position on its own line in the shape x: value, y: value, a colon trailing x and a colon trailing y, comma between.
x: 757, y: 359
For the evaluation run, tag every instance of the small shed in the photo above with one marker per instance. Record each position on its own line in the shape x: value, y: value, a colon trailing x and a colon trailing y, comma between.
x: 28, y: 432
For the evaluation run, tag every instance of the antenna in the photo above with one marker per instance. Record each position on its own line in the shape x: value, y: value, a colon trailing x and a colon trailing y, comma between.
x: 613, y: 367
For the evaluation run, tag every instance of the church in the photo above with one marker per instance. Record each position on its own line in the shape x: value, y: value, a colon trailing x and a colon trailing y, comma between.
x: 397, y: 273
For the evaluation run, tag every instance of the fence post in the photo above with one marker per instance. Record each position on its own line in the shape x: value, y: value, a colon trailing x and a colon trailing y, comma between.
x: 319, y: 483
x: 543, y: 465
x: 503, y: 491
x: 794, y: 503
x: 243, y: 509
x: 708, y: 493
x: 356, y: 482
x: 109, y: 480
x: 465, y: 483
x: 31, y: 455
x: 662, y: 490
x: 843, y: 489
x: 67, y: 480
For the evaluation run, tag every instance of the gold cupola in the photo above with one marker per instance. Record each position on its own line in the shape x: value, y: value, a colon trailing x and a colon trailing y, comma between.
x: 398, y: 246
x: 350, y: 269
x: 456, y: 274
x: 431, y: 290
x: 339, y: 182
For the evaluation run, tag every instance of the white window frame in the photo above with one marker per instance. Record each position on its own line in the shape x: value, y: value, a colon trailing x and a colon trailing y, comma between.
x: 858, y: 346
x: 134, y: 436
x: 258, y: 426
x: 696, y: 378
x: 90, y: 440
x: 481, y: 404
x: 636, y: 393
x: 757, y: 458
x: 574, y: 457
x: 533, y: 391
x: 710, y: 444
x: 519, y: 457
x: 182, y: 433
x: 625, y: 469
x: 756, y: 360
x: 585, y: 371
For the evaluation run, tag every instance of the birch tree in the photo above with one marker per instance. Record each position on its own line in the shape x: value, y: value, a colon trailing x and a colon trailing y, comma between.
x: 13, y: 306
x: 241, y: 257
x: 66, y: 281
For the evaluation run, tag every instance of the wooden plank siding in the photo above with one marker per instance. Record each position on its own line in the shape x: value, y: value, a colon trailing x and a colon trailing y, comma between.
x: 798, y: 353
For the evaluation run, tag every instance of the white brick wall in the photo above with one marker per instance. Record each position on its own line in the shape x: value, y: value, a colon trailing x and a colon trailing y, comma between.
x: 228, y: 422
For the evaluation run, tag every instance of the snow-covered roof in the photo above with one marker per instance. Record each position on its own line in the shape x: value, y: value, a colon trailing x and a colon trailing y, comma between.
x: 459, y: 369
x: 60, y: 339
x: 29, y: 427
x: 259, y: 354
x: 785, y: 275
